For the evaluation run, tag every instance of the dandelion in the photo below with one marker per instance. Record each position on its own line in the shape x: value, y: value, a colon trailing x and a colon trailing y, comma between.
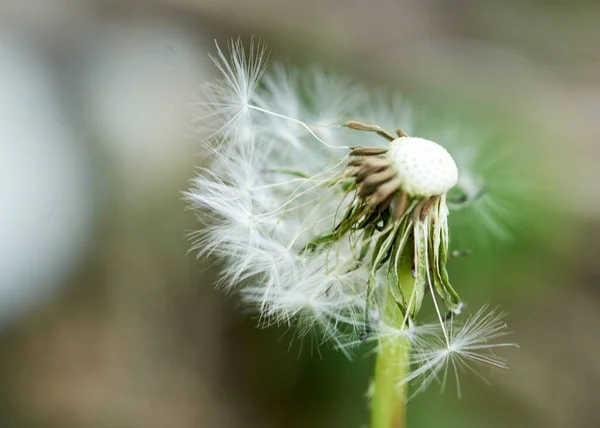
x: 323, y: 228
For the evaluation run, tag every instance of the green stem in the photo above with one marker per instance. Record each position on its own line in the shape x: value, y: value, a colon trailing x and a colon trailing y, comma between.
x: 388, y: 403
x: 388, y: 408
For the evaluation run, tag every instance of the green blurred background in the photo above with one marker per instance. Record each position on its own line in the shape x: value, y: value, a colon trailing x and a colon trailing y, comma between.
x: 106, y: 321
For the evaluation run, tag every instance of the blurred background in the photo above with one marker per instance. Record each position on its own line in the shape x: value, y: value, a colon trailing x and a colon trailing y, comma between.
x: 106, y: 321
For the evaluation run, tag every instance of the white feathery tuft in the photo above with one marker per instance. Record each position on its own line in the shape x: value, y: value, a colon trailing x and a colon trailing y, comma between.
x: 468, y: 343
x: 225, y: 109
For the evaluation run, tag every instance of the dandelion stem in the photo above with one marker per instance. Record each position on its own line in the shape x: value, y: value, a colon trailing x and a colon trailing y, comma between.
x: 388, y: 403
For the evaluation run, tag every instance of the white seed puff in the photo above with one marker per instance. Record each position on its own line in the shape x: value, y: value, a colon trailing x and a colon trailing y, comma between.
x: 425, y: 168
x: 277, y: 189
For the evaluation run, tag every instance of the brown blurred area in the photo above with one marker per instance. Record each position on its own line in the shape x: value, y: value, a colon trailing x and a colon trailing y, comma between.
x: 108, y: 322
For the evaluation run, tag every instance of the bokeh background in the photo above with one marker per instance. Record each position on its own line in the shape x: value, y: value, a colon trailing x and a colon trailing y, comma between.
x: 105, y: 319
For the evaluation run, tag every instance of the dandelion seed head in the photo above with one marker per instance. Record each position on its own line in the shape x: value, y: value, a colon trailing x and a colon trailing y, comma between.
x: 273, y: 200
x: 424, y: 167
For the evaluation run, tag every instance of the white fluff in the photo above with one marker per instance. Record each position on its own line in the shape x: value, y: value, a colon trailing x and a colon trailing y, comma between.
x: 469, y: 343
x: 277, y: 145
